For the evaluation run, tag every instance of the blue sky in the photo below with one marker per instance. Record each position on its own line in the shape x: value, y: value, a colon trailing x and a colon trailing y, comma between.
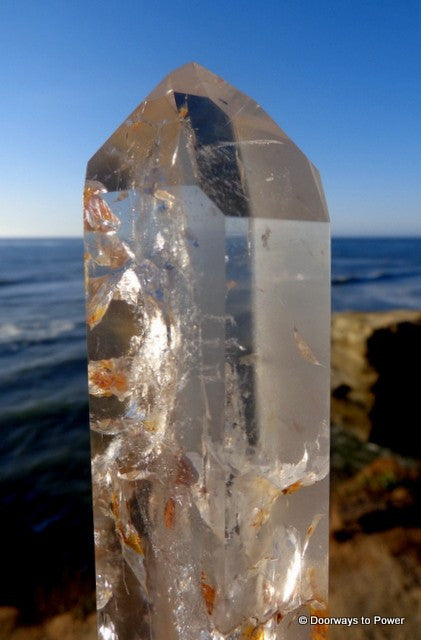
x: 342, y: 78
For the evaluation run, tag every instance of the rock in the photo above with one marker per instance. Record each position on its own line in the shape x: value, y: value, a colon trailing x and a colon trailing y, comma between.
x: 8, y: 619
x: 27, y: 633
x: 373, y: 385
x: 382, y: 495
x: 375, y: 564
x: 66, y: 626
x: 376, y: 575
x: 61, y: 626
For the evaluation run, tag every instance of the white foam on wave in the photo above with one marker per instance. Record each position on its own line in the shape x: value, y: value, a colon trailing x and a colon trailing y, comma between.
x: 10, y: 332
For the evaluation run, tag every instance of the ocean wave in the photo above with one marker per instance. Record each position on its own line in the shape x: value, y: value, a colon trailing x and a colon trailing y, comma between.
x: 35, y: 279
x: 374, y: 276
x: 45, y: 366
x: 13, y: 333
x: 47, y: 411
x: 38, y: 242
x: 44, y: 278
x: 9, y: 282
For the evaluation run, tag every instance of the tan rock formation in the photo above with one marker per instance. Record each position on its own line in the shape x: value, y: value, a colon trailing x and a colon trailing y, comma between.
x: 358, y: 339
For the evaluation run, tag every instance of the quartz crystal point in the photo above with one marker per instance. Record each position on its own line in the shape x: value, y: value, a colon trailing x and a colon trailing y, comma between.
x: 207, y: 277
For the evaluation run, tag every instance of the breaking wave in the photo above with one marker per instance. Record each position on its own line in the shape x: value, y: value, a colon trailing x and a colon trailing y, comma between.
x: 376, y: 276
x: 13, y: 333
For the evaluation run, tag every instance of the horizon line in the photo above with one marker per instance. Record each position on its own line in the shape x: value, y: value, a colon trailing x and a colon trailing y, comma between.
x: 349, y: 236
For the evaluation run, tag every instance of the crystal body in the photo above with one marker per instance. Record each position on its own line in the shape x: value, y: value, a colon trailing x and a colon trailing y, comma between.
x: 207, y: 278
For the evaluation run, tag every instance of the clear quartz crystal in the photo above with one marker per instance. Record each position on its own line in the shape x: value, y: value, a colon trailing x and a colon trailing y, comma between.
x: 207, y: 277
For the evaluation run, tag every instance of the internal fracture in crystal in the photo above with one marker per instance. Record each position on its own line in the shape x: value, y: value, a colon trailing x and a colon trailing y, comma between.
x: 207, y: 279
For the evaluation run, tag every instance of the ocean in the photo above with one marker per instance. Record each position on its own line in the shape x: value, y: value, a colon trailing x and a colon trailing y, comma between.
x: 46, y: 532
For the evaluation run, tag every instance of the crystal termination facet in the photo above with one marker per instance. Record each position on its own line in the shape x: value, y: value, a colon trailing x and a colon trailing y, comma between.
x: 207, y: 278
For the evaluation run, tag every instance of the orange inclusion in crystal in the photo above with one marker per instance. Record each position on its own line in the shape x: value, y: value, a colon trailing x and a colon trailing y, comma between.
x: 259, y: 519
x: 96, y: 316
x: 150, y: 425
x: 318, y: 631
x: 133, y: 541
x: 116, y: 509
x: 186, y: 473
x: 292, y: 487
x: 253, y: 633
x: 106, y: 379
x: 231, y: 284
x: 208, y: 594
x: 132, y: 538
x: 319, y: 608
x: 97, y: 214
x: 169, y: 513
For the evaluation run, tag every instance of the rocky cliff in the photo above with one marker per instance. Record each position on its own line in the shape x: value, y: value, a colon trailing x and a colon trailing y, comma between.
x: 376, y: 380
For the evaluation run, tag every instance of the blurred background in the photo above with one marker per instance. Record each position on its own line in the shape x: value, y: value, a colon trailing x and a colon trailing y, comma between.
x: 342, y: 79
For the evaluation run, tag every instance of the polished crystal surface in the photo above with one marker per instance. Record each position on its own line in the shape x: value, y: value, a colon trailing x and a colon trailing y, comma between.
x: 207, y: 278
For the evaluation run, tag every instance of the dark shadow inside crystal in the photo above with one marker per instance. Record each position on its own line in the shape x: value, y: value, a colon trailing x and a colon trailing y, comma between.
x: 217, y: 158
x: 118, y: 322
x: 240, y: 332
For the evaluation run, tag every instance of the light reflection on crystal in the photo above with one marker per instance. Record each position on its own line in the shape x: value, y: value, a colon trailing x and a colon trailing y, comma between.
x: 109, y: 251
x: 103, y: 588
x: 207, y: 271
x: 106, y: 631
